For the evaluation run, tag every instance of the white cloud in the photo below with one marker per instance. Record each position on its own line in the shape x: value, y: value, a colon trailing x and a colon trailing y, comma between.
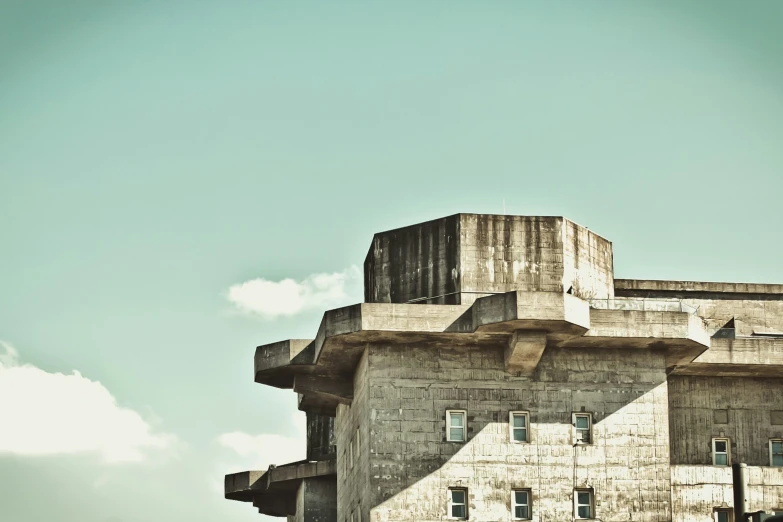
x: 46, y: 413
x: 259, y: 451
x: 289, y: 297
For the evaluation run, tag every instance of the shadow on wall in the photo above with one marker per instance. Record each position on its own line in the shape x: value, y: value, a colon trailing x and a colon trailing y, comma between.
x: 625, y: 467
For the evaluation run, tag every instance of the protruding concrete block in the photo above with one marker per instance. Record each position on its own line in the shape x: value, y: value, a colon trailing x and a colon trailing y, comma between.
x: 275, y: 362
x: 553, y: 312
x: 457, y: 259
x: 524, y: 350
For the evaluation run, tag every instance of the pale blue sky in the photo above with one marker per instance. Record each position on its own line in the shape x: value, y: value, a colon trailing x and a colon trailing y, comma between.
x: 153, y: 154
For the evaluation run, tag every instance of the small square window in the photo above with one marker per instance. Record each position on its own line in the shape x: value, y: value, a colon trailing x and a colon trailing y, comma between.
x: 721, y: 452
x: 456, y: 425
x: 583, y: 425
x: 722, y: 515
x: 520, y: 499
x: 583, y: 504
x: 458, y: 503
x: 519, y: 424
x: 776, y: 452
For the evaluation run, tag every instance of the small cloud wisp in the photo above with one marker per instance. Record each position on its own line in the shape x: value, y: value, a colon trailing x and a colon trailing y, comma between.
x: 271, y: 299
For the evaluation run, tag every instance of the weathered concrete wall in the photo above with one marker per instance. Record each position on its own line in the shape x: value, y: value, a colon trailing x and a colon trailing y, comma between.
x: 412, y: 466
x: 502, y: 253
x: 456, y: 259
x: 321, y: 443
x: 698, y: 490
x: 316, y: 500
x: 754, y: 307
x: 696, y: 414
x: 353, y: 482
x: 320, y: 503
x: 417, y: 261
x: 588, y: 264
x: 551, y: 254
x: 765, y: 489
x: 749, y: 315
x: 744, y: 351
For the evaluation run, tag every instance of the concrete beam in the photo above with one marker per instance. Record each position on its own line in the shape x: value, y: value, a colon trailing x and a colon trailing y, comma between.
x: 314, y: 402
x: 524, y: 350
x: 340, y: 388
x: 653, y: 288
x: 273, y: 491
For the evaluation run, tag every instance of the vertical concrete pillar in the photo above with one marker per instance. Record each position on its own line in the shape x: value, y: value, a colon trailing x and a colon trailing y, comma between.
x: 740, y: 479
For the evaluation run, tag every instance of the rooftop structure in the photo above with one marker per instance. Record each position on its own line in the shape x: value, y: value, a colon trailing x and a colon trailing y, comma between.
x: 498, y: 371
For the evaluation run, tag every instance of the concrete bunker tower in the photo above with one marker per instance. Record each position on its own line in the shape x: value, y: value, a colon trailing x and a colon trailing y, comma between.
x: 498, y: 371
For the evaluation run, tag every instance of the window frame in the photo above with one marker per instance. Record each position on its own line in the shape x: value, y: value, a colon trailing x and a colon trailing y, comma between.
x: 449, y: 414
x: 512, y: 429
x: 589, y: 430
x: 452, y: 504
x: 715, y: 453
x: 514, y: 504
x: 729, y: 514
x: 772, y: 455
x: 591, y: 504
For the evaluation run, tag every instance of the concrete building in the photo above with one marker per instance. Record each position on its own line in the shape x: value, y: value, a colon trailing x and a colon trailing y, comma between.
x: 498, y: 371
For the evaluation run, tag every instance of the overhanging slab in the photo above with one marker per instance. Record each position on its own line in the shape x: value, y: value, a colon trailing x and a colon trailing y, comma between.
x: 273, y: 491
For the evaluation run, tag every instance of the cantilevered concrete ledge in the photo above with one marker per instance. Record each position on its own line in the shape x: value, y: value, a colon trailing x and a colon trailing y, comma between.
x: 636, y: 327
x: 532, y: 321
x: 367, y: 322
x: 740, y: 357
x: 274, y: 491
x: 277, y: 363
x: 681, y: 336
x: 318, y: 403
x: 524, y: 324
x: 556, y: 313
